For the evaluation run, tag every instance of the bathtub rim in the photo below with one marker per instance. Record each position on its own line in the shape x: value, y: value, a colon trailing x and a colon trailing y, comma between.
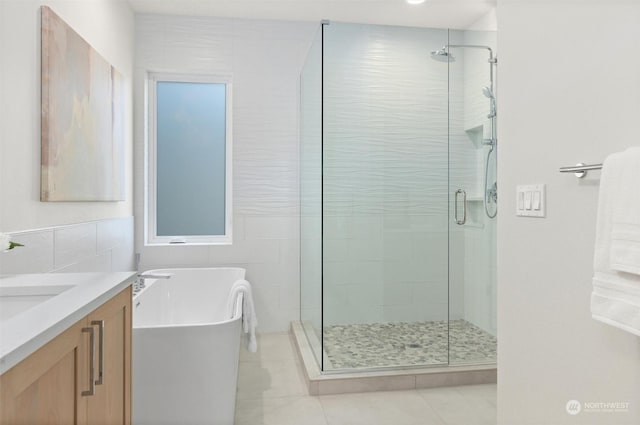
x: 170, y: 269
x: 237, y: 312
x: 237, y: 315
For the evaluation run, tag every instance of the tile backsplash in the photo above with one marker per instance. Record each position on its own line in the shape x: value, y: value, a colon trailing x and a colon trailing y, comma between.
x: 103, y: 245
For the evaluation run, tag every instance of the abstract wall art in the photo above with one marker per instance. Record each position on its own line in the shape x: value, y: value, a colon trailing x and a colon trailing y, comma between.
x: 82, y: 118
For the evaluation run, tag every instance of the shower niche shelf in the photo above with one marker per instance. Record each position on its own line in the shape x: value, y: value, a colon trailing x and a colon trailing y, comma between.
x: 476, y: 135
x: 475, y: 212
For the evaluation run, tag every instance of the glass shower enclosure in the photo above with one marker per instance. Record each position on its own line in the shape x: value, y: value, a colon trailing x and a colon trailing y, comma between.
x: 398, y: 223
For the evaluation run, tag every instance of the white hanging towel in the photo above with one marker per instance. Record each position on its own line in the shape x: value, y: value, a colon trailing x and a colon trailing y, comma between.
x: 615, y: 299
x: 625, y: 233
x: 249, y: 319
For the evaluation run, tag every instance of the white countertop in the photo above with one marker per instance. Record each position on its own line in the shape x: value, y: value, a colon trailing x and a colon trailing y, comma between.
x: 23, y: 333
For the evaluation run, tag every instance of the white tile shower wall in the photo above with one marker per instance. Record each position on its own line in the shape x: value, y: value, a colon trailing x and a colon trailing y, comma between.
x: 386, y: 175
x: 476, y: 77
x: 461, y: 176
x: 264, y: 59
x: 462, y: 149
x: 480, y: 292
x: 385, y: 237
x: 470, y: 246
x: 104, y: 245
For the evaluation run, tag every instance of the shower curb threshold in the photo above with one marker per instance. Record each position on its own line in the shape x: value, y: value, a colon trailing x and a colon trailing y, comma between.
x: 383, y: 380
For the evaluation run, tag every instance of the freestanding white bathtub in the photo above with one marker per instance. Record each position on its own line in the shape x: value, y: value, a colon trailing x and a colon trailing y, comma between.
x: 186, y: 348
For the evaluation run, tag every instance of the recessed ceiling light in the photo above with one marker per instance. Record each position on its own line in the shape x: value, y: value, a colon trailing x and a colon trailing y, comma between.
x: 415, y: 1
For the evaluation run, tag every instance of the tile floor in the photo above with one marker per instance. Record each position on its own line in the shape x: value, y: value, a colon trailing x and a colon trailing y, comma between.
x: 271, y: 391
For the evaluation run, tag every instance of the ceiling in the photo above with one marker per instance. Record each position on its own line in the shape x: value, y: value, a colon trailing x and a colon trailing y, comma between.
x: 458, y: 14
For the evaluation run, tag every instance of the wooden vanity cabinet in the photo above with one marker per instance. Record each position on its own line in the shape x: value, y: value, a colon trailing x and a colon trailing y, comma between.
x: 111, y: 403
x: 53, y: 385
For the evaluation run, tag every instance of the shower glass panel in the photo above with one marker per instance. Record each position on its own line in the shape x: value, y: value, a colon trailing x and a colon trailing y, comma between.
x: 397, y: 243
x: 311, y: 196
x: 472, y: 245
x: 385, y: 198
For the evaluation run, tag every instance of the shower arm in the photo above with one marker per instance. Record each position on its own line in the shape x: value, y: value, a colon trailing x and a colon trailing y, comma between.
x: 492, y: 60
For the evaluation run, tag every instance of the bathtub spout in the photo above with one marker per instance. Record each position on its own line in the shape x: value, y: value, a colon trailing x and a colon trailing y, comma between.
x: 155, y: 276
x: 139, y: 283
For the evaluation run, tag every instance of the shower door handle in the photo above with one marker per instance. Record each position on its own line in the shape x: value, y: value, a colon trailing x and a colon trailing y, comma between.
x: 464, y: 207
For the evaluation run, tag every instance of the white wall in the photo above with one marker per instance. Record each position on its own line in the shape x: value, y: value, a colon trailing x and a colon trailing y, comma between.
x: 569, y: 92
x: 487, y: 22
x: 108, y: 26
x: 265, y: 59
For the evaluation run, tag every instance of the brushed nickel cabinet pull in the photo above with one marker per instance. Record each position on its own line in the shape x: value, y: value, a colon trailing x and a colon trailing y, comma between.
x: 92, y: 384
x: 100, y: 324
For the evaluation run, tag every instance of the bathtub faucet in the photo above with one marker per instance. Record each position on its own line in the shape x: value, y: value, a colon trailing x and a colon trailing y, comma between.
x: 139, y: 284
x: 144, y: 276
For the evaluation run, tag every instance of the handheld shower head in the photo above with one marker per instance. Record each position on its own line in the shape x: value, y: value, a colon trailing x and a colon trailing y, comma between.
x: 488, y: 92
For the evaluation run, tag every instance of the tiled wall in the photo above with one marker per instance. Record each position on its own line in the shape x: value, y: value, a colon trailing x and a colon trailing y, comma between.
x: 386, y: 172
x: 401, y: 132
x: 480, y: 282
x: 264, y: 59
x: 104, y: 245
x: 387, y: 264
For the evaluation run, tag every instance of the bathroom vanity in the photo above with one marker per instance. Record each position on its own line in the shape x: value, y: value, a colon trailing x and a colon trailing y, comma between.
x: 65, y: 347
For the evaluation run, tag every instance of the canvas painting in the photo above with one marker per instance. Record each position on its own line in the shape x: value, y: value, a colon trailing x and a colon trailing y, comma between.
x: 82, y: 118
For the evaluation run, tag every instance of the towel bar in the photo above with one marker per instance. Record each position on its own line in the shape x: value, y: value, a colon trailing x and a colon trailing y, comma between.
x: 580, y: 169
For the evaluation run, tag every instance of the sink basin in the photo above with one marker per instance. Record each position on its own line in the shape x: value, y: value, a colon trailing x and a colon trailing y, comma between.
x: 17, y: 299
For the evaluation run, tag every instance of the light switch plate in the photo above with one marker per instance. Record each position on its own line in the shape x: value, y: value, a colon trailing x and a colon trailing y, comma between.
x: 535, y: 200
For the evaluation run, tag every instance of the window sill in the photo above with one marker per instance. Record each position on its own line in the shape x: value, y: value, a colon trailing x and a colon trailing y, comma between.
x: 212, y: 243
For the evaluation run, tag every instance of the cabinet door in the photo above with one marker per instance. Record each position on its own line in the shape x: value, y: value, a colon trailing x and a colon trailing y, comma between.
x: 45, y: 388
x: 111, y: 404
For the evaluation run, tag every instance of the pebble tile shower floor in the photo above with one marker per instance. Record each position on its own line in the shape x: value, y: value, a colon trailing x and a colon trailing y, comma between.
x: 407, y: 344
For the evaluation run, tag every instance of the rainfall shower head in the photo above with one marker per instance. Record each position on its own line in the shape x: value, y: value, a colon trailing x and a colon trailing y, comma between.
x: 442, y: 55
x: 488, y: 93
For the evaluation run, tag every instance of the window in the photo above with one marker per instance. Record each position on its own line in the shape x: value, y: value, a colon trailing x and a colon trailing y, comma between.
x: 188, y: 190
